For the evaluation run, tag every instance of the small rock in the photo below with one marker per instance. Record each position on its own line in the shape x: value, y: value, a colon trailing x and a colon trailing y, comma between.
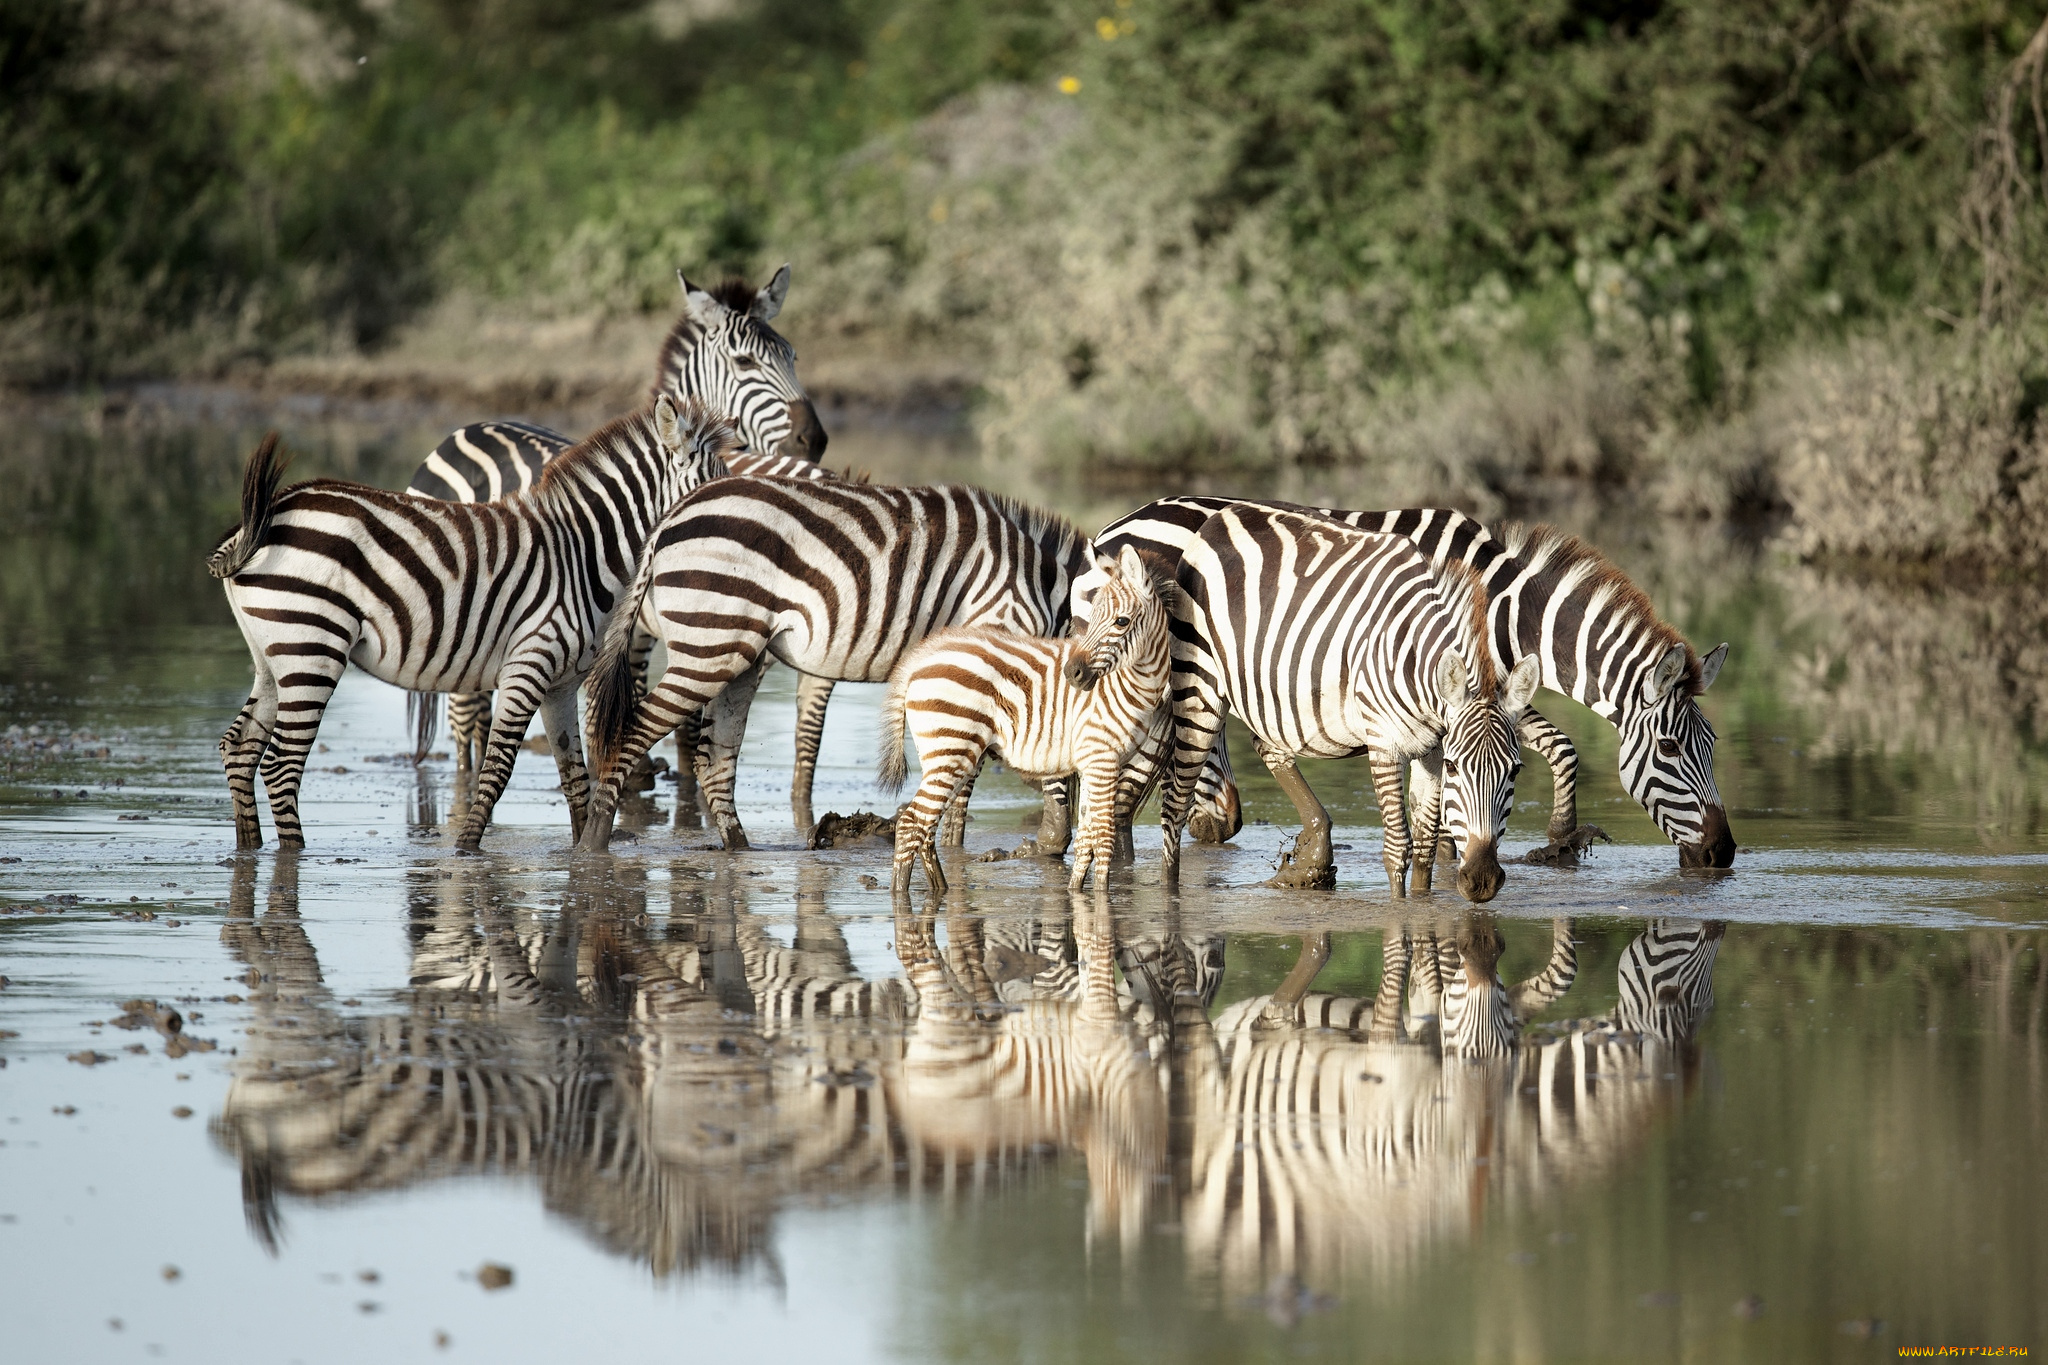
x: 491, y: 1275
x: 130, y: 817
x: 368, y: 1306
x: 88, y: 1057
x: 367, y: 1276
x: 442, y: 1341
x: 183, y: 1111
x: 867, y: 879
x: 65, y: 1109
x: 172, y: 1273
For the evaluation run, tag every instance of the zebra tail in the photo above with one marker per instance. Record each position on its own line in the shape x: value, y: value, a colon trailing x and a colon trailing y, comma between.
x: 611, y: 685
x: 891, y: 769
x: 423, y: 716
x: 259, y: 496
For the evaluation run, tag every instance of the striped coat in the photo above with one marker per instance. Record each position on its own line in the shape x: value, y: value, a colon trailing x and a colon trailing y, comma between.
x: 435, y: 596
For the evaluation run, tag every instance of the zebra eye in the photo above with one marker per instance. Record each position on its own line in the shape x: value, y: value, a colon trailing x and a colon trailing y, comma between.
x: 1123, y: 622
x: 1450, y: 767
x: 1668, y: 748
x: 745, y: 362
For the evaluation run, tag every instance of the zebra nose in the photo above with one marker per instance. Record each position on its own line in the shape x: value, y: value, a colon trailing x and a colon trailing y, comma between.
x: 1079, y: 672
x: 806, y: 439
x: 1716, y: 847
x: 1479, y: 875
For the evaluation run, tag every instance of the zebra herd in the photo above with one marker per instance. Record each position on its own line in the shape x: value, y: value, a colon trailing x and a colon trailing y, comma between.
x: 521, y: 565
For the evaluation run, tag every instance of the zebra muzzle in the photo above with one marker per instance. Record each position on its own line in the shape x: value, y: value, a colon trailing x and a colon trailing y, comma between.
x: 1479, y: 873
x: 1079, y: 673
x: 806, y: 439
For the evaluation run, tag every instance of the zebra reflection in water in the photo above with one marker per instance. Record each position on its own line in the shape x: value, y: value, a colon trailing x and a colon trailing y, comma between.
x: 670, y: 1082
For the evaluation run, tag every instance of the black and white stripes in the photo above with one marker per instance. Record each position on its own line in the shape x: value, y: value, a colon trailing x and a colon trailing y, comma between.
x: 836, y: 580
x: 438, y: 596
x: 1334, y: 643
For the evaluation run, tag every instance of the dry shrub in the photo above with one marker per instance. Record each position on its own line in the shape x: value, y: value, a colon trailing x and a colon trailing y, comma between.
x: 1917, y: 451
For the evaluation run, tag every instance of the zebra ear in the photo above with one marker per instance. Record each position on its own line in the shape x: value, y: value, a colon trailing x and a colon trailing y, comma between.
x: 668, y: 425
x: 1522, y: 680
x: 1132, y: 567
x: 704, y: 310
x: 1710, y: 667
x: 1665, y: 676
x: 768, y: 302
x: 1451, y: 684
x: 1105, y: 566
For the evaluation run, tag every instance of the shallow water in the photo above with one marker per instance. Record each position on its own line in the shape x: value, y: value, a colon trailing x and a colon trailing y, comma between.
x: 699, y: 1102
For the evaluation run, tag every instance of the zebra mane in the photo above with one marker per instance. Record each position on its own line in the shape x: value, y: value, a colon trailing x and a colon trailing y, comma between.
x: 1579, y: 566
x: 624, y: 435
x: 1464, y: 592
x: 1038, y: 523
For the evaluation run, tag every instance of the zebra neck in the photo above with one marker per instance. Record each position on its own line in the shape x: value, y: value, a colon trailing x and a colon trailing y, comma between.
x: 1594, y: 645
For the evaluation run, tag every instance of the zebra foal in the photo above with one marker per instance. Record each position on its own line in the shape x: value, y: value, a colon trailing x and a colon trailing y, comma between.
x: 442, y: 597
x: 1335, y: 643
x: 1049, y: 707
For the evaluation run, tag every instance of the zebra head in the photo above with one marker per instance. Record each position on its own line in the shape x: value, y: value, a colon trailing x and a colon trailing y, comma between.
x: 1667, y: 757
x: 696, y: 441
x: 1482, y: 754
x: 724, y: 354
x: 1127, y: 619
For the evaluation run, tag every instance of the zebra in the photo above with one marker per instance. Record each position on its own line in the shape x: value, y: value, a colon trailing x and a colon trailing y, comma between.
x: 438, y: 596
x: 836, y: 580
x: 1597, y: 636
x: 721, y: 351
x: 1050, y: 707
x: 477, y: 463
x: 1331, y: 642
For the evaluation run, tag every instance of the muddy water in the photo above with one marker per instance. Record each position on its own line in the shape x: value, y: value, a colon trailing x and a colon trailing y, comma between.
x: 692, y: 1102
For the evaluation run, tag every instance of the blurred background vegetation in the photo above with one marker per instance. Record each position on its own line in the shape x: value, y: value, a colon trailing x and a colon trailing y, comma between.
x: 1728, y: 260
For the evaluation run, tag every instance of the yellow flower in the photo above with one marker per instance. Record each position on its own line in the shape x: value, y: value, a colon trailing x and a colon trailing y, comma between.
x: 940, y: 211
x: 1105, y: 29
x: 1070, y: 85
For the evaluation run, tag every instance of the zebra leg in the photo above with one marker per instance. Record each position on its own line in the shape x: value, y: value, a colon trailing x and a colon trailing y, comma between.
x: 1218, y: 814
x: 301, y: 701
x: 1056, y: 821
x: 1309, y: 865
x: 1098, y: 820
x: 469, y: 728
x: 241, y: 749
x: 727, y: 728
x: 1541, y: 991
x: 1197, y: 720
x: 689, y: 755
x: 1555, y: 748
x: 1141, y: 773
x: 812, y: 694
x: 681, y: 693
x: 1386, y: 784
x: 565, y: 739
x: 1284, y: 1009
x: 522, y: 686
x: 917, y: 822
x: 1426, y: 794
x: 953, y: 825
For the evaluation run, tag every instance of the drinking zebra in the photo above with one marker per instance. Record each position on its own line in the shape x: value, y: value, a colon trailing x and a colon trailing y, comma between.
x: 1335, y: 643
x: 1049, y: 707
x: 442, y: 596
x: 836, y: 580
x: 1595, y: 635
x: 1667, y: 979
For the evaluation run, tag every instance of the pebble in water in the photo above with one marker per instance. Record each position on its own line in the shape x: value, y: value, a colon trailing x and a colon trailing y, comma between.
x: 491, y: 1275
